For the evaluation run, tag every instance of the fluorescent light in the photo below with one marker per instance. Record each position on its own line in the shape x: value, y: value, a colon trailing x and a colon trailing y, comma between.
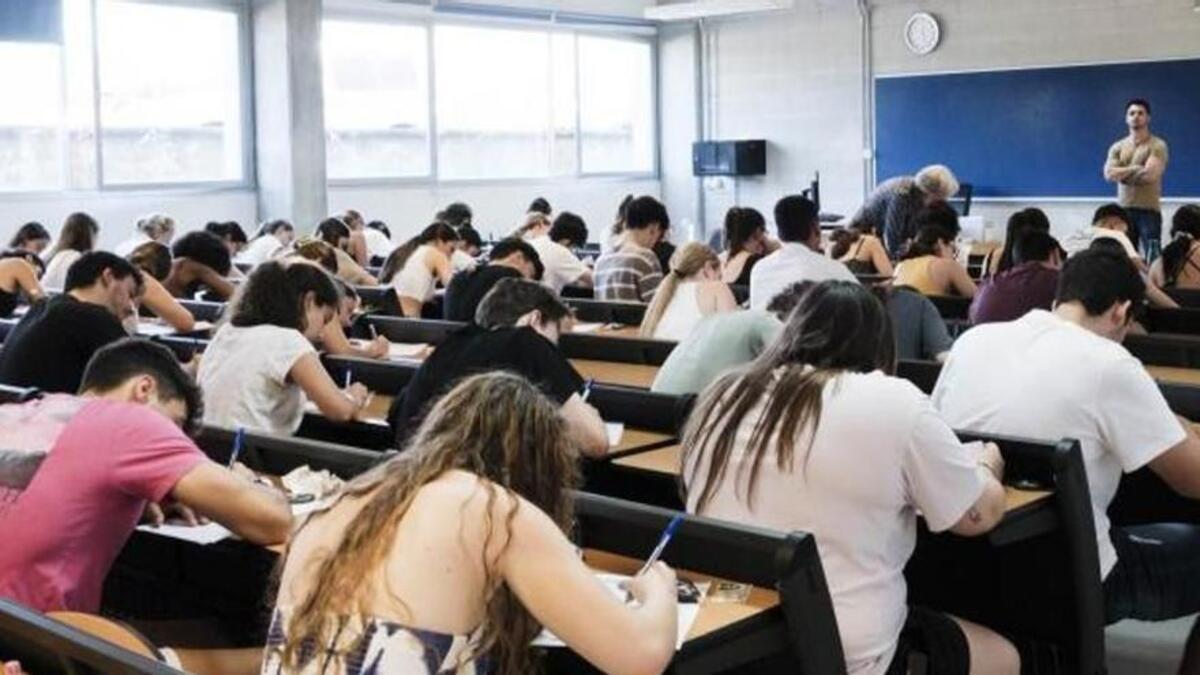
x: 699, y: 9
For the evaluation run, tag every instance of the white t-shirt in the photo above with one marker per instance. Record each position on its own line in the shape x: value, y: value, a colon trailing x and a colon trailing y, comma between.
x: 1082, y: 239
x: 682, y: 313
x: 260, y: 250
x: 415, y: 280
x: 880, y: 453
x: 562, y: 267
x: 244, y: 375
x: 378, y: 244
x: 790, y: 264
x: 126, y: 247
x: 460, y: 261
x: 55, y: 276
x: 1046, y: 378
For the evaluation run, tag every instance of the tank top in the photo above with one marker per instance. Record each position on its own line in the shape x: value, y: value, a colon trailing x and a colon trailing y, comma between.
x: 8, y: 302
x: 415, y: 280
x: 1188, y: 277
x: 682, y: 313
x: 859, y: 266
x: 914, y: 273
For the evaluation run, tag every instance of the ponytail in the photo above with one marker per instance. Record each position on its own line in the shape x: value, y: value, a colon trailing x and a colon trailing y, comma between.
x: 926, y: 241
x: 1185, y: 228
x: 688, y: 261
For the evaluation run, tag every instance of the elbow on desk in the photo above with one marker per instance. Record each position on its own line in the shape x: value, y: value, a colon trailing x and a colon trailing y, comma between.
x: 648, y: 654
x: 269, y: 526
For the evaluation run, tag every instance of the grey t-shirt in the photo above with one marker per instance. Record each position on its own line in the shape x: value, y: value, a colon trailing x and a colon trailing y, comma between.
x: 920, y: 331
x: 719, y: 342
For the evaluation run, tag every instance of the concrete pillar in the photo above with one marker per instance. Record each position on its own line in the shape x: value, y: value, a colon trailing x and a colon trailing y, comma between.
x: 289, y: 113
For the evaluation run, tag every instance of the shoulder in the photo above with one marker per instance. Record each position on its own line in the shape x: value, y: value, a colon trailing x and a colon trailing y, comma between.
x: 1158, y: 143
x: 889, y: 397
x: 120, y: 417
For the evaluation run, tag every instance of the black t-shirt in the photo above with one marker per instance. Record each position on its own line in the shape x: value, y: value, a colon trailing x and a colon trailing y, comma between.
x: 52, y: 344
x: 468, y: 287
x: 473, y: 350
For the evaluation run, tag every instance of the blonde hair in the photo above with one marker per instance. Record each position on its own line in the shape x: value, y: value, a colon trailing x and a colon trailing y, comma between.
x: 155, y: 225
x: 937, y: 180
x: 687, y: 261
x: 533, y: 220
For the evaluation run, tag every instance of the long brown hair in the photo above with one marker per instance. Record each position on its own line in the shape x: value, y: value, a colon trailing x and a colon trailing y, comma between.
x: 78, y: 233
x: 395, y: 262
x: 837, y: 327
x: 687, y: 261
x: 497, y: 426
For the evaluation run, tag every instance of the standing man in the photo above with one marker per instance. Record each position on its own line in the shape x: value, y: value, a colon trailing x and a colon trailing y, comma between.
x: 1136, y: 164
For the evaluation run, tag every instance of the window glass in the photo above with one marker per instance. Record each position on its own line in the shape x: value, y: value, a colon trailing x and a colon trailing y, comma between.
x: 616, y: 104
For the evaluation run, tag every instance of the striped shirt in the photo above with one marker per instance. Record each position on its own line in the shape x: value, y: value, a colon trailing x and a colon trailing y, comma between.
x: 631, y: 274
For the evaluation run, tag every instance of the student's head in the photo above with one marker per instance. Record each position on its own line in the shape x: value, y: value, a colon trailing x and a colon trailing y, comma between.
x: 540, y: 205
x: 30, y: 257
x: 290, y: 294
x: 835, y: 327
x: 334, y: 232
x: 646, y: 218
x: 353, y: 219
x: 618, y: 225
x: 1185, y: 229
x: 380, y: 226
x: 108, y: 280
x: 79, y: 232
x: 937, y: 182
x: 205, y: 248
x: 30, y: 237
x: 569, y: 230
x: 152, y: 258
x: 232, y: 234
x: 745, y: 230
x: 1104, y: 286
x: 1031, y: 218
x: 535, y: 224
x: 496, y: 426
x: 469, y: 241
x: 318, y: 252
x: 1111, y: 217
x: 139, y: 371
x: 1036, y: 246
x: 456, y: 214
x: 786, y: 300
x: 691, y: 262
x: 280, y: 229
x: 516, y: 253
x: 1137, y: 114
x: 937, y: 229
x: 796, y: 221
x: 439, y: 235
x: 519, y: 302
x: 157, y: 227
x: 349, y: 302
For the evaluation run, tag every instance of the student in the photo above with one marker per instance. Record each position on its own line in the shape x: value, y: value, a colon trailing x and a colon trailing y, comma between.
x: 516, y: 328
x: 553, y: 243
x: 261, y: 365
x: 1029, y: 284
x: 31, y: 237
x: 17, y: 277
x: 799, y: 258
x: 466, y: 250
x: 816, y: 435
x: 893, y: 207
x: 272, y: 239
x: 631, y: 271
x: 540, y: 205
x: 201, y: 263
x: 859, y: 248
x: 930, y: 264
x: 52, y: 344
x: 335, y: 233
x: 230, y: 233
x: 333, y: 337
x: 415, y: 269
x: 450, y: 557
x: 691, y: 291
x: 1179, y: 266
x: 456, y: 215
x: 154, y: 227
x: 77, y: 236
x: 1110, y: 221
x: 746, y: 244
x: 357, y: 246
x: 724, y: 341
x: 617, y: 230
x: 379, y: 242
x: 154, y: 260
x: 510, y: 258
x: 122, y: 450
x: 921, y: 332
x: 997, y: 381
x: 1031, y: 218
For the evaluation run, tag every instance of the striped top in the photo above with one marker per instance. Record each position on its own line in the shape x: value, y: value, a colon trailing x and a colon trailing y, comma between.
x: 631, y: 274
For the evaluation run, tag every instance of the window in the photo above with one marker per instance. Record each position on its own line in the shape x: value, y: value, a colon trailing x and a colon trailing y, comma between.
x: 30, y: 132
x: 616, y: 105
x: 170, y: 94
x: 376, y: 79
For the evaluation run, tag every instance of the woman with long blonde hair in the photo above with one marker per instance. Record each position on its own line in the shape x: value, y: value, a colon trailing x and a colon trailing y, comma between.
x: 450, y: 557
x: 691, y: 291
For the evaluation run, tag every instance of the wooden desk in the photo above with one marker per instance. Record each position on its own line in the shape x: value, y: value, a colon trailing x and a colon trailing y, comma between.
x: 609, y: 372
x: 1190, y: 376
x: 376, y: 410
x: 633, y: 439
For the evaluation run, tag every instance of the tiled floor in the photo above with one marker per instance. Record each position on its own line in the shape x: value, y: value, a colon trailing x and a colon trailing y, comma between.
x: 1139, y: 648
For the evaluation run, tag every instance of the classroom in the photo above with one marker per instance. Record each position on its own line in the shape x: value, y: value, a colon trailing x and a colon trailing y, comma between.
x: 576, y: 336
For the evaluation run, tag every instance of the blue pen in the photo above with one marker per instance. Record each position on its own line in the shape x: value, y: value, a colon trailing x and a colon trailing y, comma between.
x: 662, y: 543
x: 238, y: 439
x: 587, y: 389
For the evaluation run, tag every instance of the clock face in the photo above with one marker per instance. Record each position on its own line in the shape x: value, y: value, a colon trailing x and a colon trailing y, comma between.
x: 921, y: 33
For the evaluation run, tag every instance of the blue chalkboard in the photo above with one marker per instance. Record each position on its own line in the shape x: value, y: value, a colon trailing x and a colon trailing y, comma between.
x: 31, y: 20
x: 1040, y: 132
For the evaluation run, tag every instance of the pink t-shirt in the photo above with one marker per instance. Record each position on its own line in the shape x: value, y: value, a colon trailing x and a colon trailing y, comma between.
x: 64, y: 531
x: 27, y: 432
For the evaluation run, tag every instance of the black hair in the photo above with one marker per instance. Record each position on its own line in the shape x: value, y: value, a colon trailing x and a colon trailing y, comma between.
x: 540, y: 205
x: 510, y: 245
x: 113, y: 364
x: 455, y: 215
x: 569, y: 227
x: 939, y: 214
x: 1138, y: 101
x: 510, y: 299
x: 470, y: 235
x: 152, y: 258
x: 618, y: 225
x: 926, y: 241
x: 438, y: 231
x: 331, y: 230
x: 91, y: 265
x: 78, y: 233
x: 28, y: 256
x: 1099, y: 278
x: 28, y: 232
x: 795, y: 218
x: 381, y: 226
x: 205, y: 248
x: 741, y: 224
x: 644, y: 212
x: 273, y: 226
x: 1185, y: 229
x: 228, y: 230
x: 786, y: 300
x: 1034, y: 246
x: 274, y: 294
x: 1112, y: 210
x: 1019, y: 222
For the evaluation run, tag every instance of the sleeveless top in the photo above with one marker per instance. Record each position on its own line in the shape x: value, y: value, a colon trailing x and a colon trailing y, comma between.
x: 682, y: 313
x: 914, y: 272
x: 1188, y: 277
x: 8, y: 302
x: 364, y: 646
x: 743, y: 277
x: 415, y: 280
x: 859, y: 266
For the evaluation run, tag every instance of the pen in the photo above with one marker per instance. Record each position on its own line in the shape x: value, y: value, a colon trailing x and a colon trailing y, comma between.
x: 238, y: 439
x: 374, y: 333
x: 662, y: 543
x: 347, y: 379
x: 587, y: 389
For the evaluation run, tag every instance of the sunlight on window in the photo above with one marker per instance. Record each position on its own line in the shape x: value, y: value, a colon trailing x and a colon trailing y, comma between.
x: 616, y: 102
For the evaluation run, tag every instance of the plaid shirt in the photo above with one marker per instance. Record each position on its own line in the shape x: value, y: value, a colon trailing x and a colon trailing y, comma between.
x: 630, y: 273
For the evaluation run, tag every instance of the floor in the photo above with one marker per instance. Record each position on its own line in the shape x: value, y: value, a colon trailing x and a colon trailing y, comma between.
x: 1140, y: 648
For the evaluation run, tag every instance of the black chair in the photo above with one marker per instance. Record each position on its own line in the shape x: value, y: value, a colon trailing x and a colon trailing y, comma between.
x: 621, y: 350
x: 397, y: 329
x: 184, y: 347
x: 48, y: 647
x: 607, y: 311
x: 379, y: 300
x: 579, y: 292
x: 1183, y: 320
x: 924, y: 374
x: 278, y: 455
x: 951, y: 306
x: 11, y: 394
x: 382, y: 377
x: 1186, y: 297
x: 640, y: 408
x: 203, y: 310
x: 6, y: 326
x: 1163, y: 349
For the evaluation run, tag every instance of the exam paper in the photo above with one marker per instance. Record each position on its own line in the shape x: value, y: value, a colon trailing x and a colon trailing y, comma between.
x: 204, y: 535
x: 615, y: 431
x: 688, y: 611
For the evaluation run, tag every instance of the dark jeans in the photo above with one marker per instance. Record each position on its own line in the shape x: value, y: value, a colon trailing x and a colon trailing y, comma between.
x: 1157, y: 576
x: 1147, y: 227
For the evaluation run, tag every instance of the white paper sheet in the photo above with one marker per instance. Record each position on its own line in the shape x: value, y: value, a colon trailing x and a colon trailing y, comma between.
x: 687, y: 612
x: 199, y: 534
x: 615, y: 431
x: 154, y: 329
x: 581, y: 327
